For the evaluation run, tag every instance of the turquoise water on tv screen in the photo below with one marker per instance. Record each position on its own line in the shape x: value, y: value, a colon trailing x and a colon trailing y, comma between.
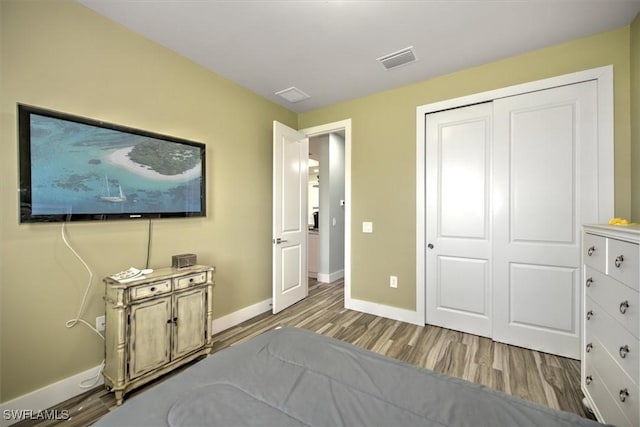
x: 83, y: 169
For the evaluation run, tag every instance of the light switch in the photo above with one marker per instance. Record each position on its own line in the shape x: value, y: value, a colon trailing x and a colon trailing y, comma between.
x: 367, y: 227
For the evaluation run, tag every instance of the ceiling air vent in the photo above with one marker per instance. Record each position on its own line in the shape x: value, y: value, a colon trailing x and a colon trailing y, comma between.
x: 396, y: 59
x: 293, y: 94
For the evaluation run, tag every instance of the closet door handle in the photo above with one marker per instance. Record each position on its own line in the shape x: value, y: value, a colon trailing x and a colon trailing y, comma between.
x: 591, y: 250
x: 588, y: 379
x: 589, y: 347
x: 589, y: 282
x: 624, y: 306
x: 619, y: 260
x: 589, y: 314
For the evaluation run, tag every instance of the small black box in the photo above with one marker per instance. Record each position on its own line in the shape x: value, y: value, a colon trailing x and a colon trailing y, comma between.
x: 183, y: 260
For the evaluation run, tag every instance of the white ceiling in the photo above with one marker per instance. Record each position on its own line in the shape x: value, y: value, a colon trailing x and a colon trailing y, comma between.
x: 328, y: 49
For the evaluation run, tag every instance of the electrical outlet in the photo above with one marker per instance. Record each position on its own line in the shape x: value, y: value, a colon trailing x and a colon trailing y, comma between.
x: 100, y: 323
x: 393, y: 281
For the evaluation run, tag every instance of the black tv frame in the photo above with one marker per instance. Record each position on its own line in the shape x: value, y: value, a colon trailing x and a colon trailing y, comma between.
x: 27, y: 214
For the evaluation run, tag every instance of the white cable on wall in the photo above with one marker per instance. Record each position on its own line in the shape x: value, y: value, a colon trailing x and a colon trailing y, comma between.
x: 73, y: 322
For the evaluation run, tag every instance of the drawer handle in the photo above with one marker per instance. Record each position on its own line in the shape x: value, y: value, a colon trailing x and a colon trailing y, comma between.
x: 624, y: 393
x: 591, y: 250
x: 619, y: 260
x: 588, y: 379
x: 589, y: 282
x: 624, y: 350
x: 624, y: 306
x: 589, y: 347
x: 589, y: 314
x: 153, y: 289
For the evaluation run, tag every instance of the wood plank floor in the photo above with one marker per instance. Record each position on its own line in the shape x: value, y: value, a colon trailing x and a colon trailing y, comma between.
x: 543, y: 378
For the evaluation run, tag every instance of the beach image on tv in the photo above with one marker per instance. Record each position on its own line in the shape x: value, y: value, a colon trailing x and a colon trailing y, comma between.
x: 78, y: 168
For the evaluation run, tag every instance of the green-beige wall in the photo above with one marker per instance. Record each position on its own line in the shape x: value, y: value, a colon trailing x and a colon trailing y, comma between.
x: 635, y: 118
x: 383, y: 163
x: 62, y: 56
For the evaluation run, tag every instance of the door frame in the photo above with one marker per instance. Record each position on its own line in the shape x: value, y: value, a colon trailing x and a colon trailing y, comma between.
x: 604, y: 79
x: 342, y: 125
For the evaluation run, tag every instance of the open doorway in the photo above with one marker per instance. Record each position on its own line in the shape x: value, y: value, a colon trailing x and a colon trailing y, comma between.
x: 329, y: 198
x: 326, y: 207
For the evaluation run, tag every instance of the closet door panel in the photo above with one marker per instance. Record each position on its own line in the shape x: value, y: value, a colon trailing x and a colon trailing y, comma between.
x: 544, y: 184
x: 458, y: 254
x: 543, y: 174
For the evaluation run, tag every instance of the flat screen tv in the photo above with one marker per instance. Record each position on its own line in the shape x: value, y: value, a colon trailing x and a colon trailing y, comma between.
x: 79, y: 169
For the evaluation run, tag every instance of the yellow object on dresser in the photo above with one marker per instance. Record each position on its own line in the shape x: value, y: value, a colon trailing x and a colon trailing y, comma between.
x: 155, y: 323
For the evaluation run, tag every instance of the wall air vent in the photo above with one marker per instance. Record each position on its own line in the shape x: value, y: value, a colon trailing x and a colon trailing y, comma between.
x: 396, y: 59
x: 293, y: 94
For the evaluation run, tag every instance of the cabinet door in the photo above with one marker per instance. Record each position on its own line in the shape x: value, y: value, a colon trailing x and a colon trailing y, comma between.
x: 149, y: 336
x: 189, y: 326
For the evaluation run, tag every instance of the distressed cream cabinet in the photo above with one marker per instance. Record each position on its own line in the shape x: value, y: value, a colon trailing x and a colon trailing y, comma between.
x: 155, y: 324
x: 611, y: 323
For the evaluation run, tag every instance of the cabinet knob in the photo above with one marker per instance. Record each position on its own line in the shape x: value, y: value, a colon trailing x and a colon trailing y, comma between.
x: 589, y: 314
x: 624, y: 393
x: 589, y: 347
x: 588, y: 379
x: 624, y: 350
x: 619, y: 260
x: 591, y: 250
x: 153, y: 289
x: 624, y: 306
x: 589, y: 282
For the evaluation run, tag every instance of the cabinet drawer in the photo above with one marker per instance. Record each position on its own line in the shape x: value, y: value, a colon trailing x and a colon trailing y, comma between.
x: 618, y: 342
x: 616, y: 382
x: 191, y: 280
x: 145, y: 291
x: 622, y: 262
x: 620, y: 301
x: 606, y: 405
x: 594, y: 251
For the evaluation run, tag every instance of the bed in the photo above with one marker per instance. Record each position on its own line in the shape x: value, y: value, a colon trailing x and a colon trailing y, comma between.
x: 294, y: 377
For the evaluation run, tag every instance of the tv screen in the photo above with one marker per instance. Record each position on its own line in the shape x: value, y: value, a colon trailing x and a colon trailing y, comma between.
x: 74, y: 168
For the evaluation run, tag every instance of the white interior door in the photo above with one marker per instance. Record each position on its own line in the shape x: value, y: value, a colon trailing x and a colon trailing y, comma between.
x: 290, y: 176
x: 545, y: 177
x: 458, y: 255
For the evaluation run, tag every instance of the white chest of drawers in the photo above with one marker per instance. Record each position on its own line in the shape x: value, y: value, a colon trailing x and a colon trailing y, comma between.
x: 611, y: 323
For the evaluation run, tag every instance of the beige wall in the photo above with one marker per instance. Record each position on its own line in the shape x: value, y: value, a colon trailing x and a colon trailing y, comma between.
x: 635, y: 121
x: 62, y: 56
x: 384, y: 153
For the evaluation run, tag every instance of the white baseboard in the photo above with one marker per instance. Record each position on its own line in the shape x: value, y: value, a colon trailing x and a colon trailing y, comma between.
x: 331, y: 277
x: 382, y: 310
x: 232, y: 319
x: 47, y: 396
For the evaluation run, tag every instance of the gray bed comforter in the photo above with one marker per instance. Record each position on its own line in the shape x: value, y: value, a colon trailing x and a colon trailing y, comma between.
x: 293, y: 377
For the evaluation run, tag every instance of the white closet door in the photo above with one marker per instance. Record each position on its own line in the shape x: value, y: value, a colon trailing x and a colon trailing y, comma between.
x: 458, y: 255
x: 545, y: 187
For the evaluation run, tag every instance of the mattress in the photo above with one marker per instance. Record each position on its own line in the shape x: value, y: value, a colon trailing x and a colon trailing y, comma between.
x: 294, y: 377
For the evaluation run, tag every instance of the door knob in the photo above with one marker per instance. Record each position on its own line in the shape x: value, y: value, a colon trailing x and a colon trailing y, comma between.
x: 430, y: 246
x: 278, y: 241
